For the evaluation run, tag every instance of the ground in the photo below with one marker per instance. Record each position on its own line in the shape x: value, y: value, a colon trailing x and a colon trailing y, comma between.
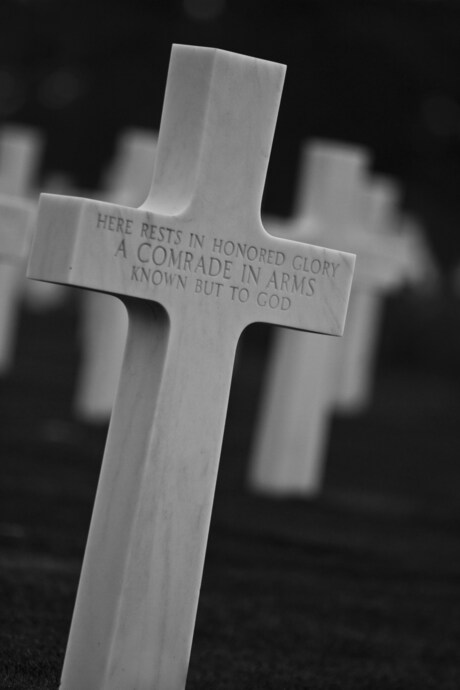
x: 358, y: 588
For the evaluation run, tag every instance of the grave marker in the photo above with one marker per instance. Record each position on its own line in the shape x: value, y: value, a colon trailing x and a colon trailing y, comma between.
x: 104, y: 321
x: 356, y: 360
x: 19, y: 150
x: 127, y: 180
x: 291, y: 436
x: 424, y: 274
x: 42, y: 297
x: 194, y: 267
x: 16, y: 218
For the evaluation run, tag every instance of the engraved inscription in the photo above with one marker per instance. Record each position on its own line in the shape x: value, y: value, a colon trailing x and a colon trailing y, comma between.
x: 167, y: 257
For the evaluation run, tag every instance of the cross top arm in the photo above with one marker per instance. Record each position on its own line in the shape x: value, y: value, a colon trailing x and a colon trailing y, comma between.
x: 136, y: 253
x: 216, y: 132
x: 198, y: 237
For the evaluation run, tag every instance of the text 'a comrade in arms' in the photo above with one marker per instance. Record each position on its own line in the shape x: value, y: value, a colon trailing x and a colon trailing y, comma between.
x: 220, y: 263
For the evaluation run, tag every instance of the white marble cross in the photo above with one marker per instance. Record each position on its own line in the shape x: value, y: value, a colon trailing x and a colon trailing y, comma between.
x: 19, y: 149
x: 380, y: 213
x: 127, y: 180
x: 43, y: 297
x: 355, y: 363
x: 424, y: 273
x: 290, y: 439
x: 104, y: 322
x: 194, y: 266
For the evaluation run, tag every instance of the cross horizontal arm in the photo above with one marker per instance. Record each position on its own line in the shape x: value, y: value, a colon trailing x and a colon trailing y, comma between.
x: 134, y: 252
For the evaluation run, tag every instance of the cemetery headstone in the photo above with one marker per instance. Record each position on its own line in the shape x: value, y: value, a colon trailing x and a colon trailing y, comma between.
x: 126, y: 181
x: 423, y: 272
x: 291, y: 436
x: 19, y: 149
x: 40, y: 298
x: 356, y: 362
x: 194, y: 267
x: 379, y: 214
x: 104, y: 320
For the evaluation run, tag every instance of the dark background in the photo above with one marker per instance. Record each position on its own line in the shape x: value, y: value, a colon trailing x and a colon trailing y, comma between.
x: 379, y: 73
x: 358, y: 588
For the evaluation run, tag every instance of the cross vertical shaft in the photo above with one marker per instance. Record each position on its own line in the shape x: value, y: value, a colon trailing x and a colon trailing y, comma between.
x: 146, y: 547
x: 198, y: 252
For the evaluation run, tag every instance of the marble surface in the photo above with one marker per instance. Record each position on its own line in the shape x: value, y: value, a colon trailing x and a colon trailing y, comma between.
x: 194, y: 266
